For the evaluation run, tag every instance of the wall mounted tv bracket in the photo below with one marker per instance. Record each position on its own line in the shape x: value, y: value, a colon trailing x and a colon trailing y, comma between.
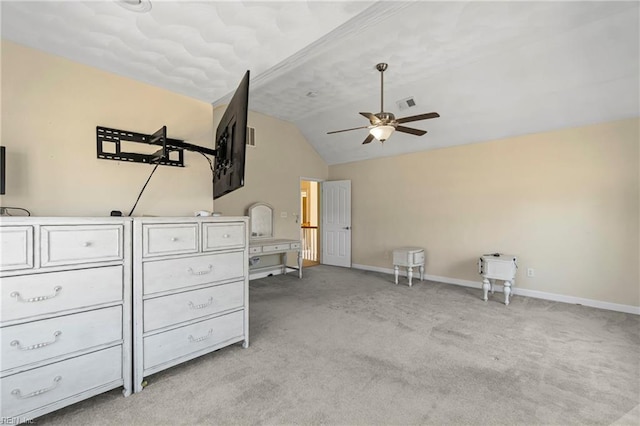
x: 223, y: 163
x: 113, y: 151
x: 109, y: 147
x: 113, y: 148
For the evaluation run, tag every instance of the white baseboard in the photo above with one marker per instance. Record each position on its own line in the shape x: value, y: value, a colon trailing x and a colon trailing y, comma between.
x: 629, y: 309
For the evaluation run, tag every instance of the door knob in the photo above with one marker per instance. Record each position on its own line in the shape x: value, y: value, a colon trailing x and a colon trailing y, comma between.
x: 347, y: 227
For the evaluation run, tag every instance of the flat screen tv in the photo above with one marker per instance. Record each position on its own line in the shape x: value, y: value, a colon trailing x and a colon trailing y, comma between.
x: 230, y: 144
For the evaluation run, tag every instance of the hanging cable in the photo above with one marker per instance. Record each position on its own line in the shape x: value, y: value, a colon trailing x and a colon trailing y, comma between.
x: 142, y: 190
x: 154, y: 170
x: 4, y: 211
x: 209, y: 160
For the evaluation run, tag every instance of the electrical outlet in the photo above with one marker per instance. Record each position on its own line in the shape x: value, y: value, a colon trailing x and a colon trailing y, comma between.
x: 531, y: 272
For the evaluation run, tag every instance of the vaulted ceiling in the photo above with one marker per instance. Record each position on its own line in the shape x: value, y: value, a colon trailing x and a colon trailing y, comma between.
x: 491, y: 69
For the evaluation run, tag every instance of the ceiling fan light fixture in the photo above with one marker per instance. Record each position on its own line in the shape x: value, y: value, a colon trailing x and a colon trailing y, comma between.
x: 383, y: 124
x: 382, y: 133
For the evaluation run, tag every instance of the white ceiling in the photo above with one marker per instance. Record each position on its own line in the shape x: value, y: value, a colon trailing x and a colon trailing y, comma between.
x: 491, y: 69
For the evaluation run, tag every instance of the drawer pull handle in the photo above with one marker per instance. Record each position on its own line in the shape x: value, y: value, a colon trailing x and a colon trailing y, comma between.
x: 174, y: 239
x: 86, y: 244
x: 18, y: 394
x: 201, y: 339
x: 205, y: 272
x: 56, y: 291
x: 201, y: 306
x: 226, y: 236
x: 37, y: 345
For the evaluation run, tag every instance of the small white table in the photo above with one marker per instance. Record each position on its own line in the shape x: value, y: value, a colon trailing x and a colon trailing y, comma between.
x: 494, y: 267
x: 408, y: 257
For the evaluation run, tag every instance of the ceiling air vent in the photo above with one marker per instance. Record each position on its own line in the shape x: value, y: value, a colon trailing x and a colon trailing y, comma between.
x: 251, y: 136
x: 406, y: 103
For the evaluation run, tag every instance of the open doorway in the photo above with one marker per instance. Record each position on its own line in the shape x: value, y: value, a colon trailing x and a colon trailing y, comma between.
x: 309, y: 219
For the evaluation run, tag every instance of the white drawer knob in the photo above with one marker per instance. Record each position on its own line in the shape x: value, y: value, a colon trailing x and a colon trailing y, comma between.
x: 226, y: 236
x: 86, y: 244
x: 201, y: 306
x: 204, y: 272
x: 174, y: 239
x: 56, y: 290
x: 18, y: 393
x: 201, y: 339
x: 17, y: 344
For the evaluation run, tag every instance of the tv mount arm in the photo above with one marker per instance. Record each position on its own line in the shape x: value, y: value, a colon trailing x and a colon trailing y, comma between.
x: 109, y: 147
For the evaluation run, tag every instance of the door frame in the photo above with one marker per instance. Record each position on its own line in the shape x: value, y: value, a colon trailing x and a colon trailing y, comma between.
x: 319, y: 181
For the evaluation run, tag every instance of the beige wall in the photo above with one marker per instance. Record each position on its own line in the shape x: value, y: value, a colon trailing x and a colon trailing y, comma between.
x: 565, y: 202
x: 50, y: 110
x: 51, y: 107
x: 273, y: 171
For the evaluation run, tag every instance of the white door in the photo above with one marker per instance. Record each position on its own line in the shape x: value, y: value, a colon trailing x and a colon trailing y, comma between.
x: 336, y: 223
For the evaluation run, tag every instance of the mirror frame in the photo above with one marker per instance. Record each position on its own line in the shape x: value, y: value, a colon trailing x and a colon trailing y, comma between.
x: 250, y: 213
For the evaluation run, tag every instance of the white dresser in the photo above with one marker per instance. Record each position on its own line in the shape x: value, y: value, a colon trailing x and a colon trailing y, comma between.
x: 190, y: 286
x: 65, y: 321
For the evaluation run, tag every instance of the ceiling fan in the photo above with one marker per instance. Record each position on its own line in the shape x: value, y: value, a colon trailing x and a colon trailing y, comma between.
x: 383, y: 124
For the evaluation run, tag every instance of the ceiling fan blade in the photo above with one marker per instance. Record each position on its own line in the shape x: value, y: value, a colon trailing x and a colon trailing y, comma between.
x: 372, y: 118
x: 368, y: 139
x: 416, y: 132
x: 348, y: 130
x: 418, y: 117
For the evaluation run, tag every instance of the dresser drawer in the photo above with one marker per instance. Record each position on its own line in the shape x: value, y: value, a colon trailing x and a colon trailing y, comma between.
x: 40, y: 340
x: 276, y: 247
x: 167, y: 346
x: 218, y: 236
x: 24, y: 392
x: 38, y: 294
x: 255, y: 249
x: 295, y: 246
x: 176, y: 308
x: 173, y: 238
x: 173, y: 274
x: 68, y: 245
x: 16, y: 243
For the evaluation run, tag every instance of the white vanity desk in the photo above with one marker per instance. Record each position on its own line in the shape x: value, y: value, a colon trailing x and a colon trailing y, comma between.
x: 262, y: 243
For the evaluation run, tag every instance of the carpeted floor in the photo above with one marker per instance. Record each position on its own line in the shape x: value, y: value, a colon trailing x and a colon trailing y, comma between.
x: 349, y: 347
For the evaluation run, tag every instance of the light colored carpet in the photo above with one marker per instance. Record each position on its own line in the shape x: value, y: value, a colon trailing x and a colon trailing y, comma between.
x: 349, y: 347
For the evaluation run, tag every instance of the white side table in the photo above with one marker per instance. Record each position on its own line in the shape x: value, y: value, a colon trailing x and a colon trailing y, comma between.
x: 497, y: 267
x: 409, y: 257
